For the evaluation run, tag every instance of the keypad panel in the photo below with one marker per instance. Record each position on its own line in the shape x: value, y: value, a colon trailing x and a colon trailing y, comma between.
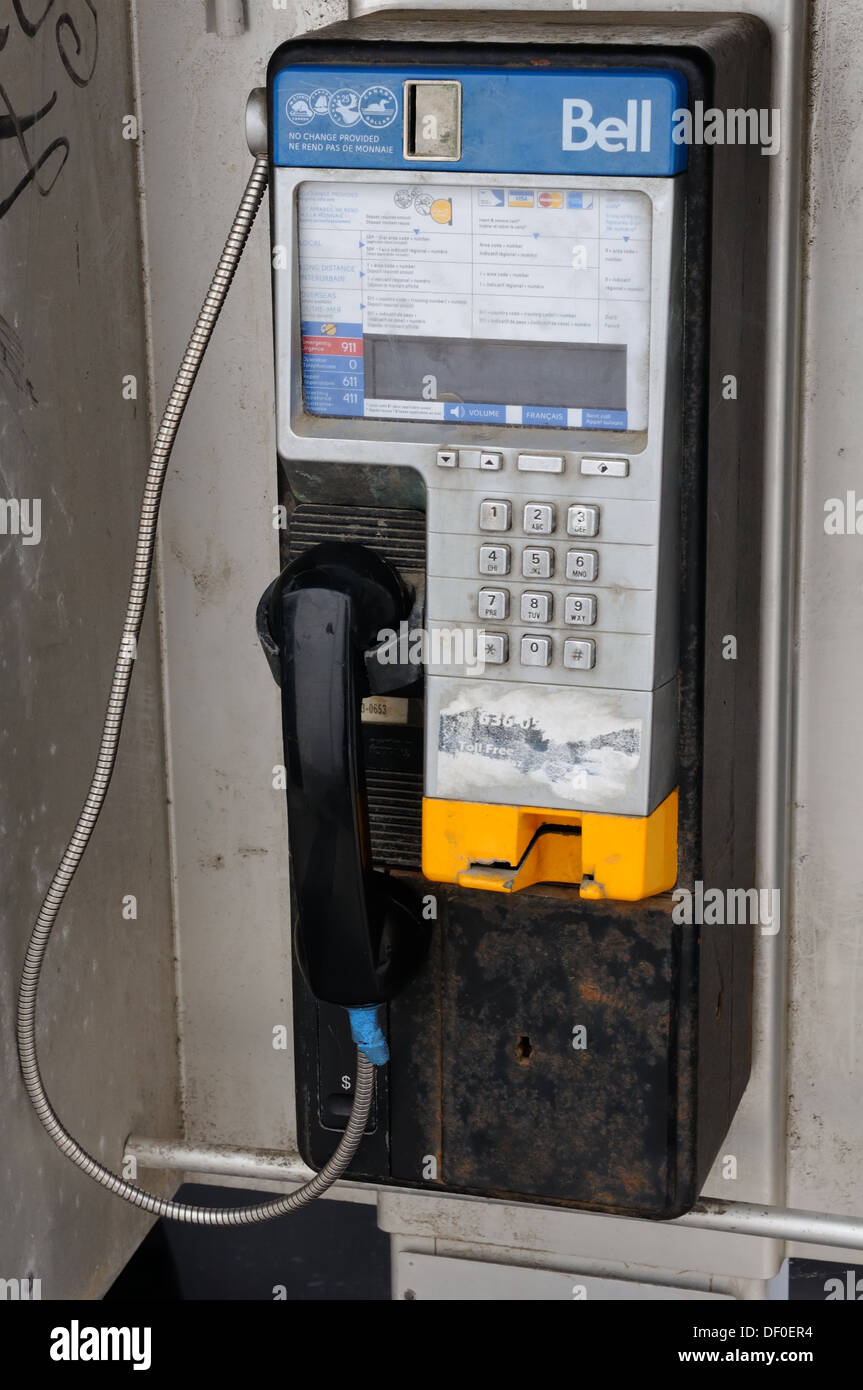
x: 564, y: 572
x: 562, y: 561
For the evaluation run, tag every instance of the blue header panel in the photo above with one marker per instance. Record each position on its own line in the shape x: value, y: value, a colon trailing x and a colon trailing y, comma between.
x: 575, y: 121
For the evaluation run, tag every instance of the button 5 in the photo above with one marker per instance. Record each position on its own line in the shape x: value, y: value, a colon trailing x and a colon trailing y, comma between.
x: 537, y: 563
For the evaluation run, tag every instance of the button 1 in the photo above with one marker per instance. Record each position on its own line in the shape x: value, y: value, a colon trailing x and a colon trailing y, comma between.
x: 535, y: 608
x: 539, y: 518
x: 582, y: 521
x: 494, y: 559
x: 579, y: 610
x: 494, y: 604
x: 447, y: 458
x: 582, y: 564
x: 491, y: 462
x: 605, y: 468
x: 495, y: 515
x: 536, y: 651
x: 579, y: 653
x: 495, y: 648
x: 537, y: 563
x: 540, y: 463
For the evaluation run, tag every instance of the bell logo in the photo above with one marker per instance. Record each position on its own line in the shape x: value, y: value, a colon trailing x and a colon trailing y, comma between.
x: 614, y: 135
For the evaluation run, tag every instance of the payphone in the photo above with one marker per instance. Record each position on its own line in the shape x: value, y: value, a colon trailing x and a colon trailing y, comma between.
x: 515, y: 526
x: 491, y: 287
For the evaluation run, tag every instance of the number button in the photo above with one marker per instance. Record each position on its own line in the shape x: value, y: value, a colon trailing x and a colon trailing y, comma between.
x: 539, y: 518
x: 536, y: 651
x: 582, y: 521
x: 579, y: 610
x: 494, y: 604
x: 535, y: 608
x: 582, y: 564
x: 495, y: 648
x: 537, y: 564
x: 494, y: 559
x: 495, y: 515
x: 579, y: 654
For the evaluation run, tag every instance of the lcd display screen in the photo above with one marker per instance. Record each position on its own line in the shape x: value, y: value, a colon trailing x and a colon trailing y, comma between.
x: 476, y: 305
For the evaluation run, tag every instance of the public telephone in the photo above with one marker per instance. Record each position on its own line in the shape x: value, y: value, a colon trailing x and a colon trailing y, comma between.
x: 491, y: 307
x: 517, y: 525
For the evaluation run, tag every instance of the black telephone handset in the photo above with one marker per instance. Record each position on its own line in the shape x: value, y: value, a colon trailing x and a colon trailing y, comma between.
x: 356, y: 935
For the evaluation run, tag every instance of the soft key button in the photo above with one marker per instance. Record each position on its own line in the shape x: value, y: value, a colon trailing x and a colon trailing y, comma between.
x: 605, y: 468
x: 540, y: 463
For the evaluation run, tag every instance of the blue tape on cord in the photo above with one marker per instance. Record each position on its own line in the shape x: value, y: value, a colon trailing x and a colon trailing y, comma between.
x: 368, y: 1034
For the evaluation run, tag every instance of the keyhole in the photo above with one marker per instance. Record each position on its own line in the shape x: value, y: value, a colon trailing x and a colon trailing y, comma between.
x: 523, y: 1049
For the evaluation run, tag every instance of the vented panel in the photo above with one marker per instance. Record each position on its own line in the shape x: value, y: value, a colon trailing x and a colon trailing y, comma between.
x: 393, y: 753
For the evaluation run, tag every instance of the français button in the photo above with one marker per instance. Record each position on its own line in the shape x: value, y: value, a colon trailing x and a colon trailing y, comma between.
x: 540, y: 463
x: 605, y: 468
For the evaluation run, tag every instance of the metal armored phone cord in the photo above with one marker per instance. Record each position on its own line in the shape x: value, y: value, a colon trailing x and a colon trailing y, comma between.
x: 41, y: 934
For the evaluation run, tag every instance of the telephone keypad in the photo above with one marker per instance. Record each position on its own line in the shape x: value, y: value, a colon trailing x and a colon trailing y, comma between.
x: 537, y: 606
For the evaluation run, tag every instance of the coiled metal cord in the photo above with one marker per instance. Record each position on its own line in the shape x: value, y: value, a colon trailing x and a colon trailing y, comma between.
x: 101, y: 780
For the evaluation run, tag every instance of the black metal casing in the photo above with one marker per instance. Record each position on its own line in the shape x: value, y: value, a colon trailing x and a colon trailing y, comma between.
x: 485, y: 1092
